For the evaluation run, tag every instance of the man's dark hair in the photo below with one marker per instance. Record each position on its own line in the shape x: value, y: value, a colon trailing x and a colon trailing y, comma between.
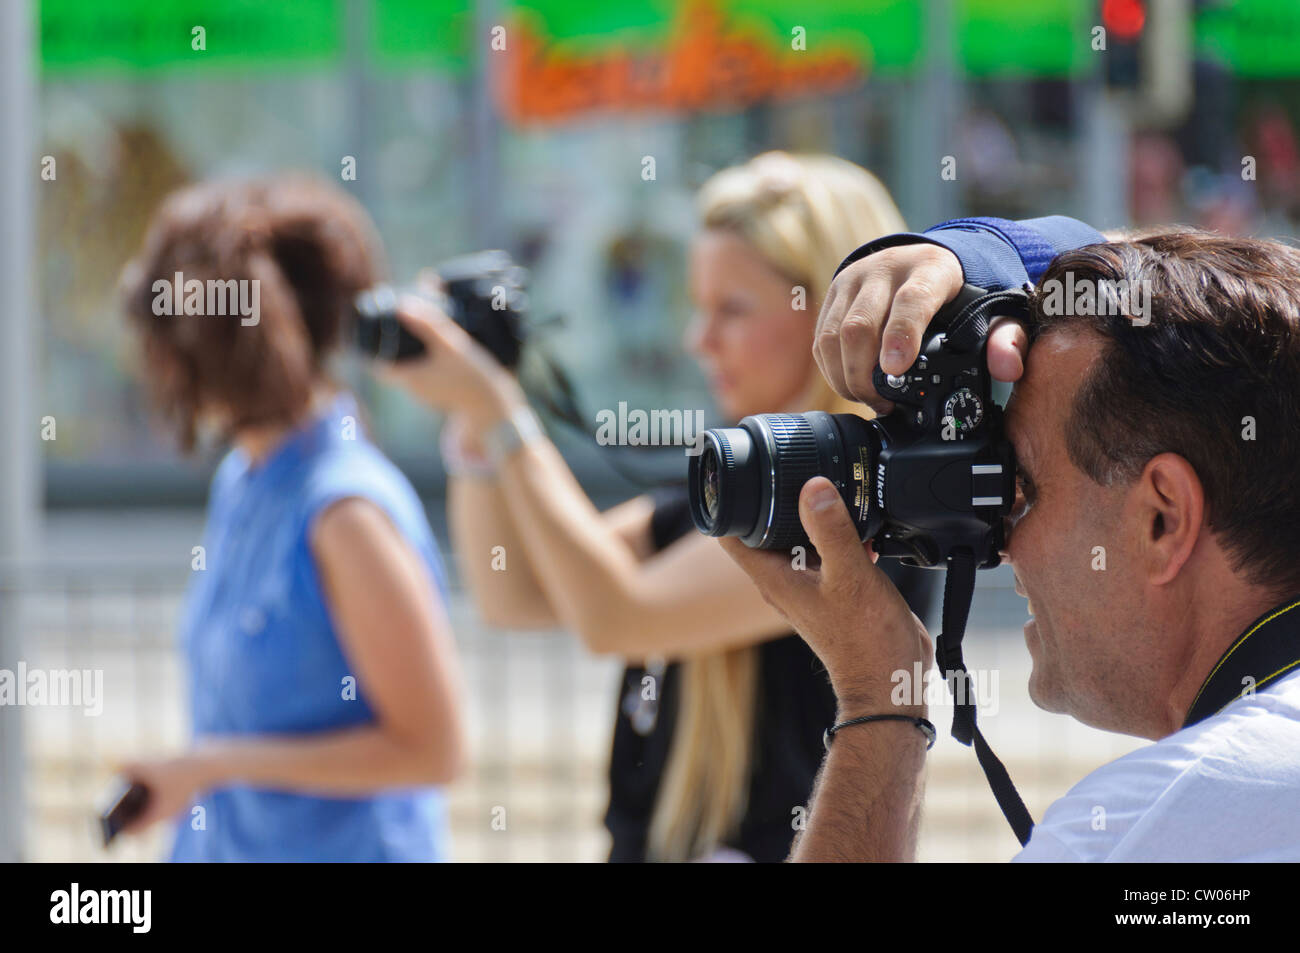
x: 1222, y: 345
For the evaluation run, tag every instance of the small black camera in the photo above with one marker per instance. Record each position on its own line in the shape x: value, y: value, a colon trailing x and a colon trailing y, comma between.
x: 483, y: 292
x: 934, y: 476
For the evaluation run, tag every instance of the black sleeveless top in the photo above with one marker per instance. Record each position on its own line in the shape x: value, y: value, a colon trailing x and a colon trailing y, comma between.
x: 794, y: 705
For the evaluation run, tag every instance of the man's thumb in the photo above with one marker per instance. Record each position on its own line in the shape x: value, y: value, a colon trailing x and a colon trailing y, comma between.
x: 831, y: 529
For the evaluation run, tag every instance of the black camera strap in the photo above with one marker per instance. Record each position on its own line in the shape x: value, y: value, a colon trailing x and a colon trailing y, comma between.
x: 970, y: 326
x: 968, y: 331
x: 1268, y: 651
x: 958, y: 591
x: 1264, y: 654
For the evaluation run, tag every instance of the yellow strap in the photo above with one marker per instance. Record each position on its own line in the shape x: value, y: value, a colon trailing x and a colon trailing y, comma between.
x: 1236, y: 645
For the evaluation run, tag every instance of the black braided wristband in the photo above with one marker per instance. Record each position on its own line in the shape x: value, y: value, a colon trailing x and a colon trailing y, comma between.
x: 927, y: 729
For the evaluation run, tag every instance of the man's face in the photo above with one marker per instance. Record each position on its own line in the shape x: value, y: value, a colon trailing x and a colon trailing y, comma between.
x: 1084, y: 634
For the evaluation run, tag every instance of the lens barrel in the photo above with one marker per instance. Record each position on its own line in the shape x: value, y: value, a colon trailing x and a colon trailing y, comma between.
x: 747, y: 479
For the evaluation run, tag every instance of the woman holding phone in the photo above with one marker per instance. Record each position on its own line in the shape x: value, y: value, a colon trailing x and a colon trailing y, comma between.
x: 323, y: 684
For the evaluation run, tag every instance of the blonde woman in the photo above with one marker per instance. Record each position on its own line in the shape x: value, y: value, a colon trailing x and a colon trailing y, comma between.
x: 716, y: 748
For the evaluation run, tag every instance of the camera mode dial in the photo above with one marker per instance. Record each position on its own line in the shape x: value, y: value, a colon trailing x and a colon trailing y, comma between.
x: 964, y: 408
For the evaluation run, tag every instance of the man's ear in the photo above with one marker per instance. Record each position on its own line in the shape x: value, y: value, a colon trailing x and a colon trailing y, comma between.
x: 1171, y: 509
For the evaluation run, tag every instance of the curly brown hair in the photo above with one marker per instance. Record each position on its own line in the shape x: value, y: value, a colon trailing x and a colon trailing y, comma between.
x: 305, y: 245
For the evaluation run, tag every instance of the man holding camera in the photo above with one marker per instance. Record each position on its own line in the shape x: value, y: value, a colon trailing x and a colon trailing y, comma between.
x: 1168, y: 441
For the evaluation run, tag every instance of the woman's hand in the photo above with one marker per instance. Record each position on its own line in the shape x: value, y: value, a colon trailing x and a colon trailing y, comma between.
x: 173, y: 783
x: 457, y: 375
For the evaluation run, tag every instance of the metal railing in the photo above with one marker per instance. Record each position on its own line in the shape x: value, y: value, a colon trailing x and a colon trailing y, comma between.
x: 540, y: 713
x: 539, y: 721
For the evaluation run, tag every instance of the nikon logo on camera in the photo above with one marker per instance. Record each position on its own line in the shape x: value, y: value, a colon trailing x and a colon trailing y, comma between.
x: 655, y: 428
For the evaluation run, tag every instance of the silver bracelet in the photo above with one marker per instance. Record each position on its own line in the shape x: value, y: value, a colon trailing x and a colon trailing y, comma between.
x: 520, y: 428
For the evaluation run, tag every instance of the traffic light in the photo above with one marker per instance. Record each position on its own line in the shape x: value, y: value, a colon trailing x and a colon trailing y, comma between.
x: 1147, y: 56
x: 1125, y: 22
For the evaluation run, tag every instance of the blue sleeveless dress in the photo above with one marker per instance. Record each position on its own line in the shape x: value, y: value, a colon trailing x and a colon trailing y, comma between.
x: 262, y: 656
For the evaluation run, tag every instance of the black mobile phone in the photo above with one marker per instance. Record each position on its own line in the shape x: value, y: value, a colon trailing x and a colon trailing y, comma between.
x: 123, y: 804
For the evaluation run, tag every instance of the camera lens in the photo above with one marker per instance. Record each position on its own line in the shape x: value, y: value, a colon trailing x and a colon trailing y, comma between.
x: 746, y: 480
x: 724, y: 484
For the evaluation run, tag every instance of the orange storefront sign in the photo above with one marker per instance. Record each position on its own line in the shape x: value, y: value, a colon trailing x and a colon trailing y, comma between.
x: 706, y: 62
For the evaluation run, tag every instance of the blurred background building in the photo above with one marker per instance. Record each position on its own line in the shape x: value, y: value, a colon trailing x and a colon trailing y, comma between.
x: 572, y: 134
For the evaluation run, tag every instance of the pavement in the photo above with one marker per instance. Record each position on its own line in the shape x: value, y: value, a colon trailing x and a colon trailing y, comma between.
x: 540, y: 710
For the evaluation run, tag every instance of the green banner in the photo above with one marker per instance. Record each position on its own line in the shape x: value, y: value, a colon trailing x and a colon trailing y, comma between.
x: 1041, y: 38
x: 422, y: 34
x: 128, y: 36
x: 1254, y: 38
x: 133, y: 36
x: 995, y: 38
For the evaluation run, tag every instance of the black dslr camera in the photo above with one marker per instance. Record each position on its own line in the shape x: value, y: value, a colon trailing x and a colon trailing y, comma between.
x: 934, y: 476
x: 483, y: 293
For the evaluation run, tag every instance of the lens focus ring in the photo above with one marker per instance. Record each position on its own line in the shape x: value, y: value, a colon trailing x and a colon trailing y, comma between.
x: 794, y: 445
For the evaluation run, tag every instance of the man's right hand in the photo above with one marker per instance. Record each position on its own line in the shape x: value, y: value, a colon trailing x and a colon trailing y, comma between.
x: 891, y: 297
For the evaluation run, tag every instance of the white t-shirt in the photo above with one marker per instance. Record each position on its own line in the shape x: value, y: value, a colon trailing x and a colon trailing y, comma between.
x: 1225, y: 789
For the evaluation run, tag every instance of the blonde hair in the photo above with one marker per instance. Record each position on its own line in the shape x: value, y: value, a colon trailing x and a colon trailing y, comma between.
x: 802, y: 214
